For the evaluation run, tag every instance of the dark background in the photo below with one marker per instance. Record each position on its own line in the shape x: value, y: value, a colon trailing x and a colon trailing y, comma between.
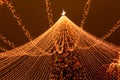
x: 102, y: 16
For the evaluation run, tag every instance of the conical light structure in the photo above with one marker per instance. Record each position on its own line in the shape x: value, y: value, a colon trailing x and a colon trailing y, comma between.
x: 65, y: 51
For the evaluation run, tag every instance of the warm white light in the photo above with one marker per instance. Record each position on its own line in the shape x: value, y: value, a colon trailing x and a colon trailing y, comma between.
x: 63, y: 13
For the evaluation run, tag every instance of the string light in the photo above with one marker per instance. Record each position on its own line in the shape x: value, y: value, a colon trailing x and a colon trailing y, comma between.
x: 111, y: 31
x: 61, y: 42
x: 3, y: 49
x: 49, y: 12
x: 18, y: 19
x: 5, y: 40
x: 85, y: 13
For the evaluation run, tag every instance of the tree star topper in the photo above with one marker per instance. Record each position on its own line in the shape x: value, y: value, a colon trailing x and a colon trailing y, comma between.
x: 63, y: 13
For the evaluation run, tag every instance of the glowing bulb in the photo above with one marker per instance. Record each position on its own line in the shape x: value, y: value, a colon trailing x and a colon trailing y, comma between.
x: 63, y: 13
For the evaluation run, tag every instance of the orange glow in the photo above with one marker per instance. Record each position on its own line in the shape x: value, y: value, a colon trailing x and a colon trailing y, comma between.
x: 62, y: 43
x: 65, y: 51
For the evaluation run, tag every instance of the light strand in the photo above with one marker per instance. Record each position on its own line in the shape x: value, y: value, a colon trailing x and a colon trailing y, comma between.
x: 18, y: 19
x: 63, y: 34
x: 5, y: 40
x: 49, y: 12
x: 3, y: 49
x: 108, y: 34
x: 111, y: 31
x: 20, y: 22
x: 85, y: 13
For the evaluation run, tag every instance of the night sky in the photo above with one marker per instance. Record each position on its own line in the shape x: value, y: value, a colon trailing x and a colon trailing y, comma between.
x: 102, y: 16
